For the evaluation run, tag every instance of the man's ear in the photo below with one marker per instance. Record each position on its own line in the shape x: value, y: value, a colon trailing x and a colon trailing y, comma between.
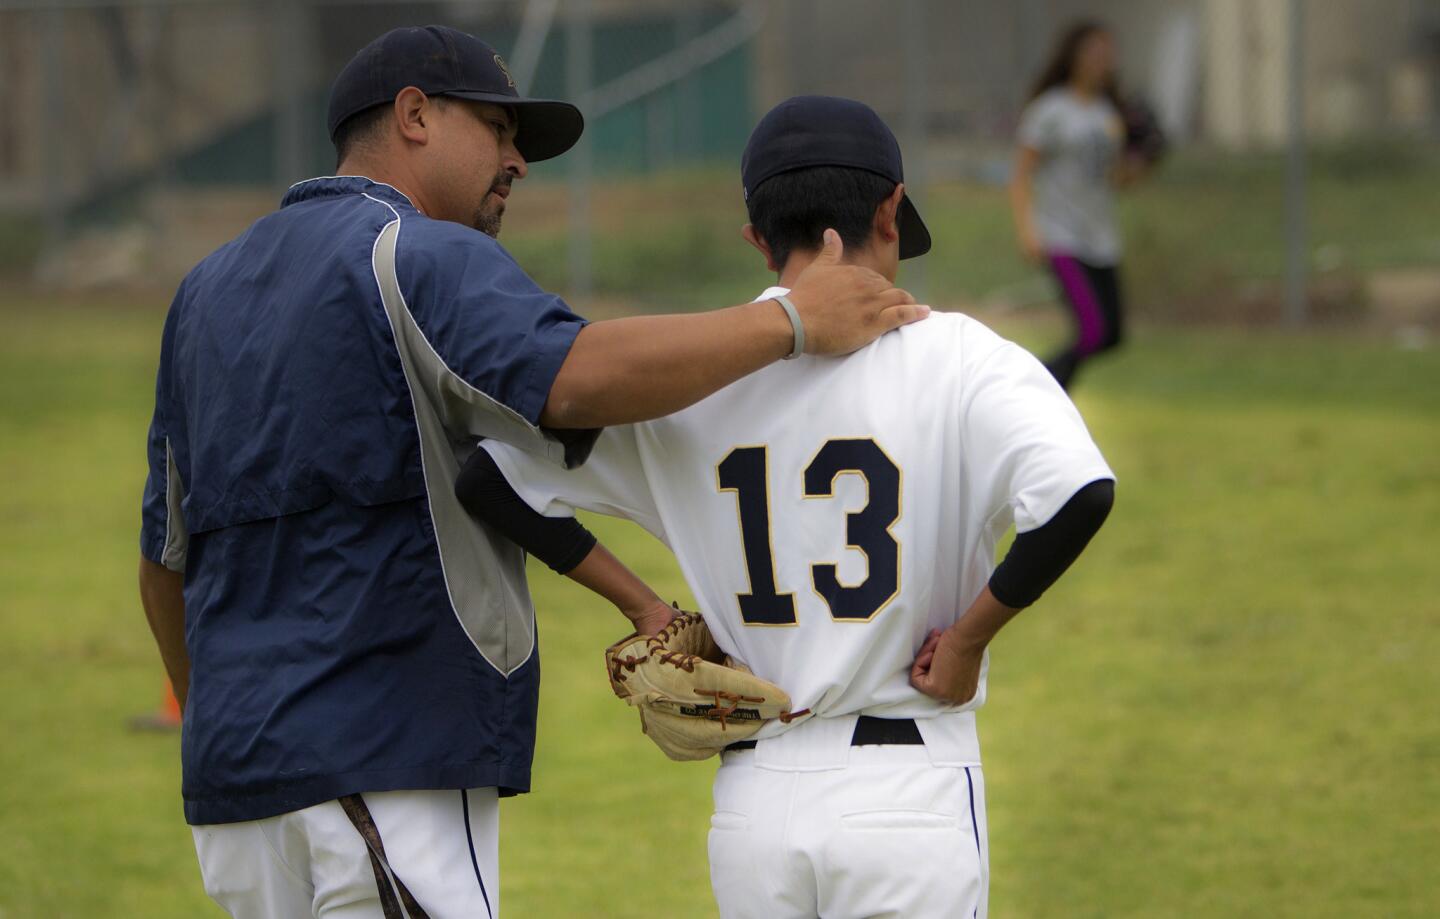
x: 755, y: 239
x: 413, y: 109
x: 887, y: 215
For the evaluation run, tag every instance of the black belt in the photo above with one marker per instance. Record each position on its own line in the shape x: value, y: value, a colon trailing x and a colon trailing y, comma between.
x: 869, y: 732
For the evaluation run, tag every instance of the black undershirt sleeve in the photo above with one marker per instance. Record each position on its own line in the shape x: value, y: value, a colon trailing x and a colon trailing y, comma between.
x: 1037, y: 559
x: 560, y: 542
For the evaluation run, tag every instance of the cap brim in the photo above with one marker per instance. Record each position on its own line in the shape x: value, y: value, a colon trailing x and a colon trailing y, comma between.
x: 547, y: 127
x: 914, y: 237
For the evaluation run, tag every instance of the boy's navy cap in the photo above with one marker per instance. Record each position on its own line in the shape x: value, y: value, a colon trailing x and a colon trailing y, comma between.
x: 807, y: 131
x: 441, y: 61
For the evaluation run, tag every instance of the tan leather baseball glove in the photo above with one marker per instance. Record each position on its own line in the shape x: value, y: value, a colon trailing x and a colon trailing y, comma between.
x: 693, y: 700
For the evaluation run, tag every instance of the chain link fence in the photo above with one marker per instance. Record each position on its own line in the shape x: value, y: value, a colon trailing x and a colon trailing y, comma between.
x: 1306, y: 136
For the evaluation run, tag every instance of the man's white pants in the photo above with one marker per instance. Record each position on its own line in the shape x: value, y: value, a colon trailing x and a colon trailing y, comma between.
x: 442, y: 847
x: 886, y: 834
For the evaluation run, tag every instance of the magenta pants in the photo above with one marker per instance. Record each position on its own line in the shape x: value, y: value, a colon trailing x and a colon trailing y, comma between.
x: 1092, y: 292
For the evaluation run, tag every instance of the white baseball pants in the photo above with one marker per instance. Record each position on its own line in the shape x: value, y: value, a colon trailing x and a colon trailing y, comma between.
x: 439, y: 856
x: 887, y: 834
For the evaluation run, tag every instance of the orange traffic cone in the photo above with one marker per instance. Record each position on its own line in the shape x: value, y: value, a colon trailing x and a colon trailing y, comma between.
x: 165, y: 719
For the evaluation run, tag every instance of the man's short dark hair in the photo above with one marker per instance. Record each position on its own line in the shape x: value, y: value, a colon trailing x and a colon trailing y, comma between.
x: 357, y: 130
x: 793, y: 209
x: 364, y: 126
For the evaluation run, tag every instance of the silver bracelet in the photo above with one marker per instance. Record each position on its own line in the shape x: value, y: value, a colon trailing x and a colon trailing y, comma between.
x: 795, y: 324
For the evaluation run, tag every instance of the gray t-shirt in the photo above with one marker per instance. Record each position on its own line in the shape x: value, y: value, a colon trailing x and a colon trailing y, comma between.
x: 1078, y: 140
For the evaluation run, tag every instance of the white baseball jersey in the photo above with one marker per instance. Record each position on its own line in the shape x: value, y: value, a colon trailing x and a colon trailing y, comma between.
x: 828, y: 512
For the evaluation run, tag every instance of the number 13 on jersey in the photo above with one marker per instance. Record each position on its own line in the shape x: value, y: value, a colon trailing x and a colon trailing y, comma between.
x: 745, y: 471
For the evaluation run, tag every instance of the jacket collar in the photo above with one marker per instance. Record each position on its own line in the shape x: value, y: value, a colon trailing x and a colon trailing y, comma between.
x: 338, y: 186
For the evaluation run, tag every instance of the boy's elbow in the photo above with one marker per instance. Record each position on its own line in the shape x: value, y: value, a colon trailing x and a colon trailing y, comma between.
x: 1098, y: 498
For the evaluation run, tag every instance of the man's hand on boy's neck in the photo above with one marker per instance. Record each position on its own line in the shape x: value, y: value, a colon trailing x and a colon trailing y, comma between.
x: 864, y: 257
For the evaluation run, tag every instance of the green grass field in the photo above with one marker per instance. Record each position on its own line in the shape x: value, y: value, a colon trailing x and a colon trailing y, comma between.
x: 1229, y: 707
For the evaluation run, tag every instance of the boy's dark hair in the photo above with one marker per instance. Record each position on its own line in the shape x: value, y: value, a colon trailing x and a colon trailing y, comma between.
x: 793, y: 209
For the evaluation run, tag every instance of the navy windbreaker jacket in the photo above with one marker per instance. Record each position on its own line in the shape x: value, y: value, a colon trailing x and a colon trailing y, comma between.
x: 350, y: 628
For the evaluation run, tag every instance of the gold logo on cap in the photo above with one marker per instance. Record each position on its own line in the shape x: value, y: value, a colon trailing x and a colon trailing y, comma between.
x: 505, y: 70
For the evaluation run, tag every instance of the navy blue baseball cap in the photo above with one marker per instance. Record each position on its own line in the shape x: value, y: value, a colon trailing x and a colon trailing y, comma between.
x: 807, y: 131
x: 441, y: 61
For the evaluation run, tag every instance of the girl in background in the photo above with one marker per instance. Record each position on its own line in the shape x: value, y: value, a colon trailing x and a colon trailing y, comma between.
x: 1070, y: 157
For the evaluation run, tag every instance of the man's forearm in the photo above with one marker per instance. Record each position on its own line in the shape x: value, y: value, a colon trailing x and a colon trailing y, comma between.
x: 645, y: 367
x: 163, y: 596
x: 625, y: 370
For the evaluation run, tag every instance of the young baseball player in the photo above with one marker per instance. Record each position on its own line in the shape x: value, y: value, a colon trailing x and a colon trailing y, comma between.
x: 837, y: 521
